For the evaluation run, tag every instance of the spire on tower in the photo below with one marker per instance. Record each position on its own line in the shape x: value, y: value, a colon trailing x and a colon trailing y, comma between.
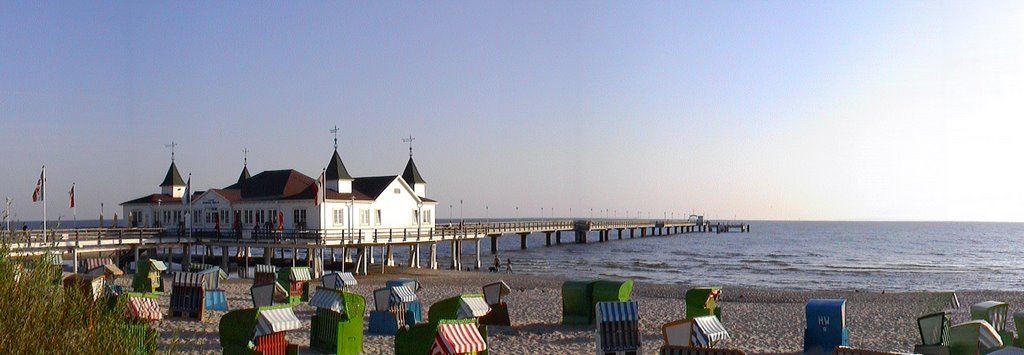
x: 172, y: 145
x: 409, y: 140
x: 245, y: 156
x: 335, y: 131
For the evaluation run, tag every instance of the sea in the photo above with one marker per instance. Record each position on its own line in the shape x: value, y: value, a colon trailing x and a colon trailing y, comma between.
x: 804, y: 255
x: 891, y: 256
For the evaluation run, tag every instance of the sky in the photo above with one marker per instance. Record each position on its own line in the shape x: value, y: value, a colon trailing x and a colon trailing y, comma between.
x: 859, y: 110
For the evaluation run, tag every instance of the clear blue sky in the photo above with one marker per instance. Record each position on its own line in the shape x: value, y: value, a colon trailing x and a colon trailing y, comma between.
x: 765, y: 110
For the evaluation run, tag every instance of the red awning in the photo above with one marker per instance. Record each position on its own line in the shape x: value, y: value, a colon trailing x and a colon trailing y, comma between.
x: 458, y: 339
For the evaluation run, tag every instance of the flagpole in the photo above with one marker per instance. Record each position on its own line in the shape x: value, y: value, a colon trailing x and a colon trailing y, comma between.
x: 74, y: 208
x: 43, y: 193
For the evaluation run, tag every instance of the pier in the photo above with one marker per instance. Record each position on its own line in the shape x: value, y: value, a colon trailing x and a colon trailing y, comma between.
x: 132, y: 242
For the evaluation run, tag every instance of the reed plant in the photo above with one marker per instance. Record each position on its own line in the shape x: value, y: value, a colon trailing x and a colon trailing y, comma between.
x: 39, y: 316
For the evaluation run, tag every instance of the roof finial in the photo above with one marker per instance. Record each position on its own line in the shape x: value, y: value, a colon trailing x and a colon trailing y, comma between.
x: 409, y: 140
x: 245, y: 156
x: 172, y: 145
x: 335, y: 131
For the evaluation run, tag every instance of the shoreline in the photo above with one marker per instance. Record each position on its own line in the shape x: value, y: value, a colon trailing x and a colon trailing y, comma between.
x: 759, y: 320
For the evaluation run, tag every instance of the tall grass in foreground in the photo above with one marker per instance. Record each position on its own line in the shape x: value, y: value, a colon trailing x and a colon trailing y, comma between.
x: 39, y: 316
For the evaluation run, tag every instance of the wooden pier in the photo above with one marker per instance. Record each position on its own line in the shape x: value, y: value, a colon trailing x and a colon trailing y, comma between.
x: 130, y: 242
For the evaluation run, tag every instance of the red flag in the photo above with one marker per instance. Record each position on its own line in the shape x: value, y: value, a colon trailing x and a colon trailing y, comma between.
x: 280, y: 221
x: 71, y: 201
x: 38, y: 193
x: 317, y: 189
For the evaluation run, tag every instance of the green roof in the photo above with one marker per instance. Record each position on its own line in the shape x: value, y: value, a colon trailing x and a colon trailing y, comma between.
x: 172, y: 178
x: 336, y: 169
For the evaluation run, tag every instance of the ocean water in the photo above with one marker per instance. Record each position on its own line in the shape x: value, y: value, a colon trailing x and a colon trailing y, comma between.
x: 894, y: 256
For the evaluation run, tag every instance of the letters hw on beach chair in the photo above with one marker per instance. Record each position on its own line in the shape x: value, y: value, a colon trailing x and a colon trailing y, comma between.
x: 994, y: 313
x: 493, y: 294
x: 392, y: 310
x: 618, y: 328
x: 297, y: 281
x: 258, y: 331
x: 826, y: 326
x: 188, y: 299
x: 703, y: 301
x: 147, y: 276
x: 337, y: 327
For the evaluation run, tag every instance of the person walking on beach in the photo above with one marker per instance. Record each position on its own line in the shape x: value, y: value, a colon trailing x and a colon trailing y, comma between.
x: 508, y: 266
x: 497, y: 264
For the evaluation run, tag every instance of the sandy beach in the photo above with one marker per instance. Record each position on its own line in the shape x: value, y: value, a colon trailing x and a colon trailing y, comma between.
x: 758, y: 320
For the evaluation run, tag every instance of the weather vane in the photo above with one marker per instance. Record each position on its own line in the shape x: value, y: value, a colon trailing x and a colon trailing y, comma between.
x: 335, y: 131
x: 409, y: 140
x: 172, y: 145
x: 245, y: 156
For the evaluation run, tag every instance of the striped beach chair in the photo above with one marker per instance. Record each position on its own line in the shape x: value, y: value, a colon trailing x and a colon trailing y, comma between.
x: 337, y: 327
x: 494, y: 294
x: 258, y: 331
x: 689, y: 350
x: 618, y: 328
x: 391, y: 310
x: 338, y: 280
x: 142, y: 307
x: 188, y: 297
x: 264, y: 274
x: 296, y: 282
x: 89, y: 264
x: 846, y: 350
x: 995, y: 313
x: 973, y: 337
x: 700, y: 332
x: 457, y: 338
x: 934, y: 330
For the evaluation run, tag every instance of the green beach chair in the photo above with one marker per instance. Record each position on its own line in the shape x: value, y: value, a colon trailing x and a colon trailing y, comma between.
x: 258, y: 331
x: 973, y: 337
x: 577, y: 302
x: 934, y: 330
x: 703, y: 301
x: 995, y: 313
x: 147, y: 276
x: 296, y: 281
x: 337, y: 327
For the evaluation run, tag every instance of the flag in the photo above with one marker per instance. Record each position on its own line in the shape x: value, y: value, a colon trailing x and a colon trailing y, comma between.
x: 38, y: 193
x: 317, y: 188
x: 280, y: 221
x: 71, y: 195
x: 186, y: 199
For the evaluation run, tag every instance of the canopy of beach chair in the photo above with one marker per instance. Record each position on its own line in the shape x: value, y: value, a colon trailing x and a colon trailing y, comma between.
x: 265, y: 268
x: 410, y: 283
x: 459, y: 339
x: 338, y: 280
x: 299, y: 273
x: 187, y: 279
x: 472, y: 306
x: 977, y: 332
x: 328, y: 299
x: 106, y: 269
x: 493, y: 292
x: 992, y: 311
x: 91, y: 263
x: 402, y: 294
x: 144, y: 308
x: 709, y: 331
x: 276, y: 320
x: 617, y: 311
x: 157, y: 265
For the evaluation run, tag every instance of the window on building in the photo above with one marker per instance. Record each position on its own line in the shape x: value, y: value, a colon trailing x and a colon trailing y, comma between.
x: 155, y: 219
x: 398, y: 191
x: 415, y: 216
x: 426, y: 216
x: 299, y: 218
x: 167, y: 217
x: 177, y: 217
x: 339, y: 217
x: 377, y: 217
x: 364, y: 217
x: 247, y: 216
x: 225, y: 218
x: 196, y: 217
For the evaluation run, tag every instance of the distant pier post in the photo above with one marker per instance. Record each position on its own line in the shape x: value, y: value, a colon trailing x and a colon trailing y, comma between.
x: 558, y: 237
x: 522, y: 240
x: 478, y: 254
x: 547, y: 238
x: 433, y: 255
x: 494, y: 243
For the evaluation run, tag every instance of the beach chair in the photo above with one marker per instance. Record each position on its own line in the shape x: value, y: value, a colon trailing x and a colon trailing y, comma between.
x: 88, y: 264
x: 91, y: 285
x: 577, y: 302
x: 1018, y: 321
x: 493, y: 294
x: 216, y: 298
x: 188, y: 298
x: 995, y: 314
x: 412, y: 284
x: 392, y: 310
x: 258, y: 331
x: 297, y: 281
x: 141, y: 310
x: 617, y: 328
x: 826, y: 326
x: 934, y: 330
x: 703, y: 301
x: 147, y: 276
x: 973, y: 337
x: 700, y: 332
x: 422, y: 338
x: 846, y: 350
x: 688, y: 350
x: 611, y: 291
x: 262, y: 295
x: 264, y: 274
x: 337, y: 327
x: 468, y: 306
x: 338, y: 280
x: 457, y: 338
